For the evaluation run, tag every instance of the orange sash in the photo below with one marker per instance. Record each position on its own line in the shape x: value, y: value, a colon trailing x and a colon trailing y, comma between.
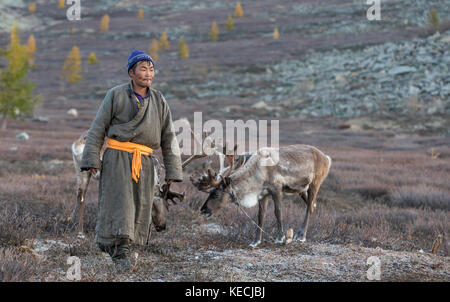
x: 137, y: 151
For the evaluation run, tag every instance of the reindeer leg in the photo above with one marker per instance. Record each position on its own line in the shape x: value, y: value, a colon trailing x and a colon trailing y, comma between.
x: 277, y: 197
x: 81, y: 196
x: 261, y: 217
x: 310, y: 205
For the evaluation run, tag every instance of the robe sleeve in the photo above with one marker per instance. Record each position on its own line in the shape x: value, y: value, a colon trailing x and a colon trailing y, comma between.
x: 169, y: 146
x: 96, y: 134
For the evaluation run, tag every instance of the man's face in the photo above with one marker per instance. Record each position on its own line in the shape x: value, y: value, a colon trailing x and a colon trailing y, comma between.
x: 143, y: 74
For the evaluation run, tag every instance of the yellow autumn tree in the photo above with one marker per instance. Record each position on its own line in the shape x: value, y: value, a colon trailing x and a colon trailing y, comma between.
x: 276, y: 34
x: 32, y: 7
x: 230, y: 23
x: 31, y: 48
x: 62, y: 4
x: 92, y: 59
x: 140, y: 14
x: 434, y: 19
x: 104, y: 24
x: 164, y: 42
x: 16, y: 93
x: 214, y: 33
x: 238, y: 11
x: 71, y: 71
x: 153, y: 50
x: 183, y: 49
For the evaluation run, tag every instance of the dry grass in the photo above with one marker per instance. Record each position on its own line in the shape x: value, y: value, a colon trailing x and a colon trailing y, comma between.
x: 373, y: 198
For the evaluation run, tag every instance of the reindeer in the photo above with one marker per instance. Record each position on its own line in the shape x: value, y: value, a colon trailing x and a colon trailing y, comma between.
x: 252, y: 179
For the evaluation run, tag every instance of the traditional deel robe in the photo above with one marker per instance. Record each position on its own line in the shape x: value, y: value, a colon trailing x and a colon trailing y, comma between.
x: 124, y: 209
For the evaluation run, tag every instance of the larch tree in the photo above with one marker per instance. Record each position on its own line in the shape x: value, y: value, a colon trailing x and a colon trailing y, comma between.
x: 434, y: 19
x: 183, y: 49
x: 230, y: 23
x: 31, y: 48
x: 214, y: 33
x: 276, y: 34
x: 32, y: 7
x: 71, y: 71
x: 16, y: 93
x: 92, y: 59
x: 164, y: 43
x: 104, y: 23
x: 153, y: 50
x: 238, y: 11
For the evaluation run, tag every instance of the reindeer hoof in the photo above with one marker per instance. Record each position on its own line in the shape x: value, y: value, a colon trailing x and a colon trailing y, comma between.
x: 255, y: 244
x: 281, y: 240
x: 299, y: 237
x: 289, y: 236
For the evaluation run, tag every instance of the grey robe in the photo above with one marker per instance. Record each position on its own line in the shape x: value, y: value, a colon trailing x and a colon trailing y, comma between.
x: 125, y: 206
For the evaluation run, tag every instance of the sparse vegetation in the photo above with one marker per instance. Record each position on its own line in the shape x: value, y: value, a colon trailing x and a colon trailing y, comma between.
x: 32, y: 7
x: 92, y: 59
x: 183, y: 49
x: 164, y: 43
x: 104, y: 23
x: 238, y: 11
x: 71, y: 71
x: 434, y: 19
x: 16, y: 93
x: 214, y: 33
x: 276, y: 34
x: 31, y: 49
x: 230, y: 23
x: 153, y: 50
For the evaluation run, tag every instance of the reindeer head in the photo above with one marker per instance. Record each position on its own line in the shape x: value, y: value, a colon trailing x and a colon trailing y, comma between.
x: 218, y: 185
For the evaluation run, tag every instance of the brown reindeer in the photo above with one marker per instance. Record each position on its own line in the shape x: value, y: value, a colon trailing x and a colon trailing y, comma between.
x: 253, y: 178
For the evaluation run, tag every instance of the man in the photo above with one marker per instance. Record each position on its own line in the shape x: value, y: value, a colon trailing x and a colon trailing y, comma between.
x: 136, y: 120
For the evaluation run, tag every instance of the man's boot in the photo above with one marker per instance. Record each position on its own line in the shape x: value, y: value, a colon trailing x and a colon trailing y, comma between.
x: 121, y: 255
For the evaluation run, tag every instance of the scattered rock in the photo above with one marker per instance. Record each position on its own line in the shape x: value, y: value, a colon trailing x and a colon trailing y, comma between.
x: 73, y: 112
x: 23, y: 135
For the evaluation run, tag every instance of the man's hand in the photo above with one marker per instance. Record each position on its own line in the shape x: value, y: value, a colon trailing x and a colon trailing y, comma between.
x: 93, y: 171
x: 169, y: 181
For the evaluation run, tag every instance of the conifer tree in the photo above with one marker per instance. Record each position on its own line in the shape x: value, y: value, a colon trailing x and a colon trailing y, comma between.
x: 16, y: 93
x: 104, y: 24
x: 214, y: 33
x: 92, y: 59
x: 62, y: 4
x: 230, y: 23
x: 238, y: 11
x: 164, y: 42
x: 32, y: 7
x: 183, y: 49
x: 71, y: 71
x: 31, y: 48
x: 153, y: 50
x: 141, y: 14
x: 434, y: 19
x: 276, y: 34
